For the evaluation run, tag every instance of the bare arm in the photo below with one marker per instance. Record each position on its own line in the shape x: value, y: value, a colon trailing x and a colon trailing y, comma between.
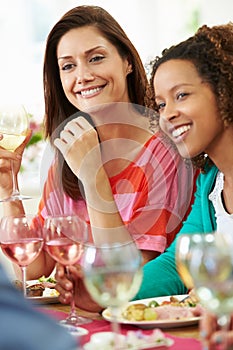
x: 80, y: 147
x: 43, y: 264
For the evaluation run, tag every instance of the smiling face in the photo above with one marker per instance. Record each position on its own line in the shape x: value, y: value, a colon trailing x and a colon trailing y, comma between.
x: 187, y: 107
x: 91, y: 70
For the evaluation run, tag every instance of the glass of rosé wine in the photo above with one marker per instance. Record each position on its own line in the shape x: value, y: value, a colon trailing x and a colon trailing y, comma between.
x: 21, y: 240
x: 65, y: 237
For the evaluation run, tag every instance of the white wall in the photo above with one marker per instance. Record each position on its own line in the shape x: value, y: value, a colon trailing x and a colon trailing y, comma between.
x: 152, y: 25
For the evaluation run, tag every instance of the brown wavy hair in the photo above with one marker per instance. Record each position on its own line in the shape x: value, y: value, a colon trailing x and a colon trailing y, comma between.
x: 57, y: 106
x: 211, y: 51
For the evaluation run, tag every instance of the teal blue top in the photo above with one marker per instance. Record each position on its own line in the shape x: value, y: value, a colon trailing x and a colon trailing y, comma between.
x: 160, y: 275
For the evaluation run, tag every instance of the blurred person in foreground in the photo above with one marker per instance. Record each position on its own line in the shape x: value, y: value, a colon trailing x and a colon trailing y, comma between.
x: 22, y: 327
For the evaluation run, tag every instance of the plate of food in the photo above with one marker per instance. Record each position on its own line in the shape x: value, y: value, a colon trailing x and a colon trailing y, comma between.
x: 160, y: 312
x: 41, y: 291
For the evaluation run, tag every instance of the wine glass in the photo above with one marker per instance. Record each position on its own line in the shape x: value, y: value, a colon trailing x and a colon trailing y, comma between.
x: 183, y: 256
x: 21, y: 240
x: 211, y: 267
x: 13, y: 127
x: 112, y: 275
x: 64, y: 241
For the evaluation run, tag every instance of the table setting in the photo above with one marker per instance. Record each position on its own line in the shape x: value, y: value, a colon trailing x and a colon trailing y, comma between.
x: 203, y: 261
x: 112, y: 283
x: 183, y: 338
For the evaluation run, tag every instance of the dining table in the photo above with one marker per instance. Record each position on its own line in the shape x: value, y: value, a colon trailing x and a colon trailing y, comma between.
x: 184, y: 337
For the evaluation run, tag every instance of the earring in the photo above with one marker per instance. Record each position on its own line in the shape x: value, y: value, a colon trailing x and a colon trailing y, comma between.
x: 129, y: 70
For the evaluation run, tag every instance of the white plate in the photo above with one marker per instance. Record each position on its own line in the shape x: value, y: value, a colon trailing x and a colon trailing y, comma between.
x: 49, y: 296
x: 169, y: 323
x: 104, y: 341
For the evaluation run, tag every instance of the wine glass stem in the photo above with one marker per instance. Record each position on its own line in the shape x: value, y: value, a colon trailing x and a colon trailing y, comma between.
x: 23, y: 269
x: 72, y: 307
x: 115, y: 328
x: 73, y: 317
x: 15, y: 190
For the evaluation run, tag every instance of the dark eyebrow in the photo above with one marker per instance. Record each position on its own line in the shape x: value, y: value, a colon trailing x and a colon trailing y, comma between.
x: 85, y: 53
x: 177, y: 87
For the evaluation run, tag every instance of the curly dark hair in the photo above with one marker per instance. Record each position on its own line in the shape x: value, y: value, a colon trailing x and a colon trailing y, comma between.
x: 211, y: 51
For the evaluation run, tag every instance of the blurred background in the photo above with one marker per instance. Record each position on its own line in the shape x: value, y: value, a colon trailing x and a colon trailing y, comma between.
x: 152, y: 25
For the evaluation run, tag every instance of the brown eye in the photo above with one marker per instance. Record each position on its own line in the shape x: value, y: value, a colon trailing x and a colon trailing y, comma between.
x: 181, y: 95
x: 96, y: 58
x: 67, y: 66
x: 160, y: 106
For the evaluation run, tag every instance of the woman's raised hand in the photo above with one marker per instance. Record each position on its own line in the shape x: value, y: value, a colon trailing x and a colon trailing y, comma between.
x: 79, y: 145
x: 5, y: 165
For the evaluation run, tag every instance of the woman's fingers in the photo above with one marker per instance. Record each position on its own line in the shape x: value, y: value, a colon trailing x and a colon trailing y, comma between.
x: 211, y: 336
x: 64, y: 286
x: 220, y: 338
x: 208, y: 324
x: 74, y: 130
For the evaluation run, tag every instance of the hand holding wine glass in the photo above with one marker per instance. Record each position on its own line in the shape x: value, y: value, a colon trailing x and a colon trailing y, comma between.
x: 64, y: 238
x: 211, y: 267
x: 13, y: 129
x: 21, y: 240
x: 112, y: 275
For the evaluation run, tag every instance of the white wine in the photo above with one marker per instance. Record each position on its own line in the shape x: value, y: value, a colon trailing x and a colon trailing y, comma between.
x: 109, y: 287
x: 183, y: 270
x: 217, y: 297
x: 11, y: 141
x: 212, y: 272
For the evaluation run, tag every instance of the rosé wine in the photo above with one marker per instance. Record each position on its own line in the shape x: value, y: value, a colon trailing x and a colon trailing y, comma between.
x: 22, y: 251
x: 64, y: 250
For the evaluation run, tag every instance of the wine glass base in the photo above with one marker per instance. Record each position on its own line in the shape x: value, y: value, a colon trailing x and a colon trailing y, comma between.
x: 76, y: 331
x: 18, y: 197
x: 75, y: 321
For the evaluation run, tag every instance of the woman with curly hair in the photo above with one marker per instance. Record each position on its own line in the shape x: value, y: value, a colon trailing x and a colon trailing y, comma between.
x: 191, y: 89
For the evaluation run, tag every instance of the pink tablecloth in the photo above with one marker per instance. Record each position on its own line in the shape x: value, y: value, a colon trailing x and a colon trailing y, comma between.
x: 102, y: 325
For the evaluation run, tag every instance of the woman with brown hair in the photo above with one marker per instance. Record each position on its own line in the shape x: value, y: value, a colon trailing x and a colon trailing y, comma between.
x: 109, y: 167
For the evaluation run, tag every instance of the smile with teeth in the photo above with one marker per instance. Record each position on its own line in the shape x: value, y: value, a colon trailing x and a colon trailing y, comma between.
x: 179, y: 131
x: 90, y: 91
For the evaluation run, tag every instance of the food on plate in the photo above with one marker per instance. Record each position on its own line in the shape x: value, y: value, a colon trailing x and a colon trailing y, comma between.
x: 192, y: 298
x: 35, y: 290
x: 135, y: 312
x: 168, y: 309
x: 47, y: 282
x: 43, y: 287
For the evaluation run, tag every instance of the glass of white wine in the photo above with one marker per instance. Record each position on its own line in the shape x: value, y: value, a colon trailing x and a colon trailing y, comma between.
x: 13, y: 128
x: 211, y: 267
x: 112, y: 275
x: 183, y: 257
